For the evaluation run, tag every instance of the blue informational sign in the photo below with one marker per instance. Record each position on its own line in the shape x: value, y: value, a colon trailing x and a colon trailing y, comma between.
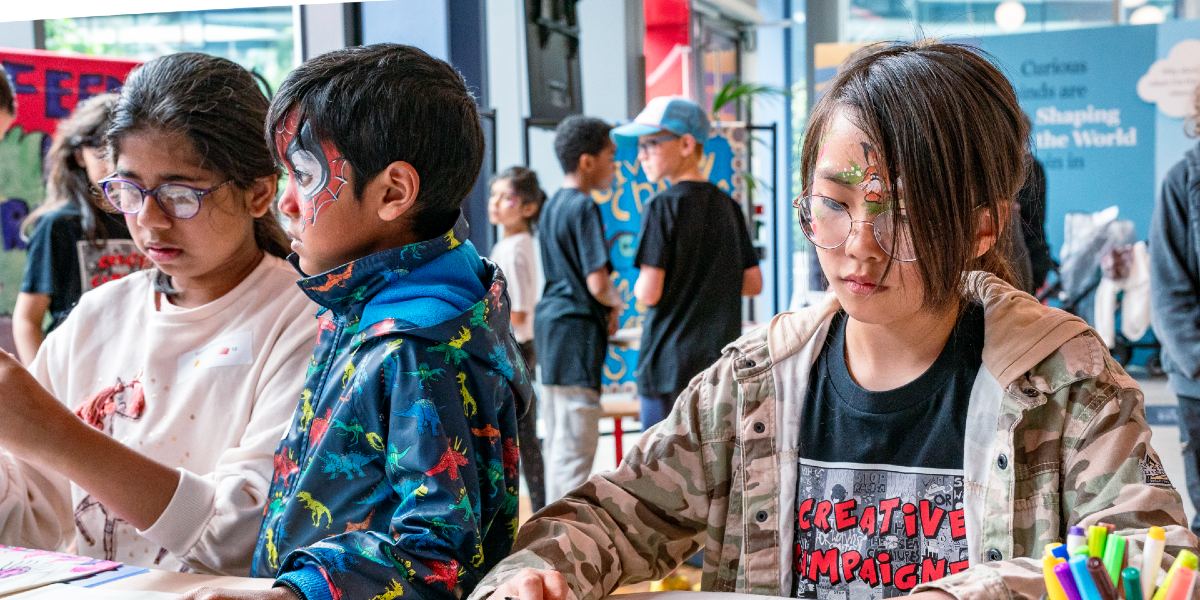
x: 1092, y: 133
x: 621, y: 208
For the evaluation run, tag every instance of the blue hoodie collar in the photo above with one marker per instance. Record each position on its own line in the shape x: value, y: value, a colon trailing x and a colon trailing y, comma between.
x: 352, y: 285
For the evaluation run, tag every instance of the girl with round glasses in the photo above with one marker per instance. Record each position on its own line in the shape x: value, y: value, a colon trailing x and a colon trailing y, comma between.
x: 147, y: 430
x: 928, y: 430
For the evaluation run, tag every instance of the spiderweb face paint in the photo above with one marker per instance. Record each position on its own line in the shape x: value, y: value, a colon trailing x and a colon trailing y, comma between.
x: 318, y: 170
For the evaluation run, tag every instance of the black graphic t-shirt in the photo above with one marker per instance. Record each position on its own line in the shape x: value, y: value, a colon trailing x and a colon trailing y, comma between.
x: 697, y: 234
x: 63, y: 264
x: 879, y: 498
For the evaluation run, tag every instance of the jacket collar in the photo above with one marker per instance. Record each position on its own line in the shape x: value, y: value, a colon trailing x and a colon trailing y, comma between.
x: 1019, y: 332
x: 350, y: 286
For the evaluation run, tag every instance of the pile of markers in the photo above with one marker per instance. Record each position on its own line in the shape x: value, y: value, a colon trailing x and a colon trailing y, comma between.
x: 1089, y: 567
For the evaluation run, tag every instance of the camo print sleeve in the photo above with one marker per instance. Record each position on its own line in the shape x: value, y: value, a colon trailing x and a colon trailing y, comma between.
x: 643, y: 519
x: 1082, y: 457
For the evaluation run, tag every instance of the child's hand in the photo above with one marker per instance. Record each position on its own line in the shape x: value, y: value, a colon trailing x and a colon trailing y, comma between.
x: 31, y: 414
x: 533, y: 584
x: 276, y: 593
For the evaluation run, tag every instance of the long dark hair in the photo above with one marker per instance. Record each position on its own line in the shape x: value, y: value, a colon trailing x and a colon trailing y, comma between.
x: 525, y: 185
x: 219, y: 107
x: 67, y: 180
x: 946, y: 123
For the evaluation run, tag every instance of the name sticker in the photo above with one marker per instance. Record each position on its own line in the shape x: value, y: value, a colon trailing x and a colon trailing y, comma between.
x: 226, y: 351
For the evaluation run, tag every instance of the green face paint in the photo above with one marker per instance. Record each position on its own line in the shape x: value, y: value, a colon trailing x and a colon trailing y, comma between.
x: 876, y: 208
x: 852, y: 175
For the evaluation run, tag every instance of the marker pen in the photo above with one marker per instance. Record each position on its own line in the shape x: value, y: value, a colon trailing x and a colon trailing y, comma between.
x: 1097, y: 534
x: 1083, y: 579
x: 1156, y: 541
x: 1054, y: 589
x: 1063, y: 572
x: 1100, y: 576
x: 1114, y: 557
x: 1075, y: 539
x: 1185, y: 560
x: 1132, y: 578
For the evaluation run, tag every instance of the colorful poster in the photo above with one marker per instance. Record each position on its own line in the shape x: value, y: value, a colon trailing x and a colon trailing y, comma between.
x: 1093, y: 134
x: 48, y: 85
x: 725, y: 161
x: 1105, y: 130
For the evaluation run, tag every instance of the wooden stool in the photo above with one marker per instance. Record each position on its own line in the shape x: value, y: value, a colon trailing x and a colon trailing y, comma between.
x: 619, y: 408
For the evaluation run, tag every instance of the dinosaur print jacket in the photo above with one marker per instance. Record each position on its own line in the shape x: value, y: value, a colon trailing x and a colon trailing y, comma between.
x: 398, y: 475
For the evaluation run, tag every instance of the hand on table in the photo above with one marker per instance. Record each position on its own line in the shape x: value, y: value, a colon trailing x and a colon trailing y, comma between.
x: 533, y: 584
x: 206, y: 593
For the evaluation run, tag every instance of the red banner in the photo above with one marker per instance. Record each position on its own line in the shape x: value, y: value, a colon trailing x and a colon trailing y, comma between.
x: 48, y: 85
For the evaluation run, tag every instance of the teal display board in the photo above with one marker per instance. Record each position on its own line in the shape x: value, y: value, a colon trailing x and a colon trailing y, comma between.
x: 1101, y: 141
x: 1091, y: 131
x: 621, y: 207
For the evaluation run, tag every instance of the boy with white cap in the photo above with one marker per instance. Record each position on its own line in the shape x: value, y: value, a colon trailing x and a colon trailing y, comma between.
x: 695, y: 256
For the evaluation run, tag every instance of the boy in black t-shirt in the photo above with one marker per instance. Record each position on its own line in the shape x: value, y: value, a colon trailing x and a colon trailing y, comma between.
x: 579, y: 307
x: 695, y: 256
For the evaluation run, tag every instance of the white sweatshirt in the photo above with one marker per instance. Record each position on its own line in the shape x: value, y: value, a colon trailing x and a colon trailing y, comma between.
x: 517, y: 257
x: 208, y: 390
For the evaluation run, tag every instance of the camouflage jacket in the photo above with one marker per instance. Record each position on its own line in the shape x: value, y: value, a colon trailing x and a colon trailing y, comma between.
x: 720, y: 472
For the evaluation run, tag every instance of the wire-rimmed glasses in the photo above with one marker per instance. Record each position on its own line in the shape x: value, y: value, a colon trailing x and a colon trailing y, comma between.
x: 176, y: 199
x: 828, y: 224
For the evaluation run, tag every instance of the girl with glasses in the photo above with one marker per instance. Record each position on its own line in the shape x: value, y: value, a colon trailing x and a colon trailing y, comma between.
x: 147, y: 430
x: 75, y: 244
x: 928, y: 430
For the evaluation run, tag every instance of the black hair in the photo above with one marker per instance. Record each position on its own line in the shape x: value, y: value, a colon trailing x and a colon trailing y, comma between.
x: 578, y: 135
x: 67, y: 180
x: 525, y: 185
x: 946, y: 122
x: 384, y: 103
x: 8, y: 101
x: 217, y: 105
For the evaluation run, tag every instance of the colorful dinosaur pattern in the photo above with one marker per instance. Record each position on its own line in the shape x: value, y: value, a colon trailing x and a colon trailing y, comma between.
x: 470, y: 407
x: 397, y: 477
x: 350, y: 465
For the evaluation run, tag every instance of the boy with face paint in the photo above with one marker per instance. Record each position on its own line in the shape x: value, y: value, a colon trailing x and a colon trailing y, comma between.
x: 398, y: 475
x: 315, y: 175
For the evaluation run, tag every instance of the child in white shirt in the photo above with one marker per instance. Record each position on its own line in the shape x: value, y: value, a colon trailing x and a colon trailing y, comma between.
x: 515, y: 202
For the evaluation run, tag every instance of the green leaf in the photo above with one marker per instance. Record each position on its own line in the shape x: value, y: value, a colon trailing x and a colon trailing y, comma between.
x: 735, y: 92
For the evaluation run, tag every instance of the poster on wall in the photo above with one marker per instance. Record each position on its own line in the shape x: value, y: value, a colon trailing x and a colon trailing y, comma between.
x: 47, y: 86
x: 1092, y: 133
x: 1105, y: 130
x: 621, y: 206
